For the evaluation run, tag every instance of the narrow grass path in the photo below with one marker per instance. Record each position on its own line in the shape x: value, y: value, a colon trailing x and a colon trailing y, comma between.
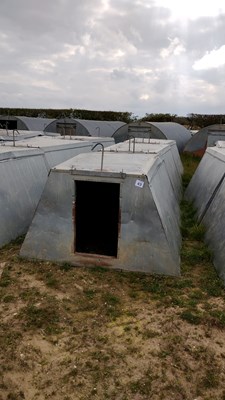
x: 196, y: 258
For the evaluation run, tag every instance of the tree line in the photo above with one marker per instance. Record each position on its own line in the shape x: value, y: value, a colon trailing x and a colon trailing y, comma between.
x: 68, y: 113
x: 191, y: 121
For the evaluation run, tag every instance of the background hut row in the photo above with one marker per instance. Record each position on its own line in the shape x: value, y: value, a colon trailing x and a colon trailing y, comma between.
x: 34, y: 146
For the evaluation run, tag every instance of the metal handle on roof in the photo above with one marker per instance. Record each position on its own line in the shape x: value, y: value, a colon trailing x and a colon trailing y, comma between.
x: 100, y: 144
x: 14, y: 142
x: 131, y: 136
x: 97, y: 127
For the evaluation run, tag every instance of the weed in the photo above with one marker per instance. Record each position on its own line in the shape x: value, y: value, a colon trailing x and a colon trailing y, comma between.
x: 197, y: 294
x: 193, y: 256
x: 29, y: 294
x: 217, y: 318
x: 99, y: 270
x: 66, y: 266
x: 190, y: 163
x: 44, y: 317
x: 16, y: 396
x: 127, y: 328
x: 188, y: 217
x: 149, y: 334
x: 9, y: 298
x: 211, y: 378
x: 51, y: 281
x: 155, y: 285
x: 89, y: 293
x: 175, y: 300
x: 16, y: 242
x: 9, y: 338
x: 111, y: 303
x: 210, y: 283
x: 133, y: 294
x: 197, y: 232
x: 143, y: 386
x: 182, y: 283
x: 111, y: 299
x: 192, y: 318
x: 6, y: 280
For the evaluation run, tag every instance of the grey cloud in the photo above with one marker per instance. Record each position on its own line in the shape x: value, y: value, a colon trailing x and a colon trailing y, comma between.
x: 76, y: 53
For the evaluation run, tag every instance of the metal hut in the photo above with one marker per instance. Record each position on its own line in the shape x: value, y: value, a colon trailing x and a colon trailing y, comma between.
x: 82, y: 127
x: 205, y: 137
x: 160, y: 130
x: 24, y: 168
x: 207, y: 192
x: 116, y: 208
x: 24, y: 123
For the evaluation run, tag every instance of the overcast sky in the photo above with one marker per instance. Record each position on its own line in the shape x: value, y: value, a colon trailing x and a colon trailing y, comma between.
x: 141, y: 56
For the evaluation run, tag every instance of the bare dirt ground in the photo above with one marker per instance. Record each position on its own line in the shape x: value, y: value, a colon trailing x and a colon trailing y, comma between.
x: 69, y: 333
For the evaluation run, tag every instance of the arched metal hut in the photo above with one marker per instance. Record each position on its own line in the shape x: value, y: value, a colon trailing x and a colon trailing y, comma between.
x: 82, y: 127
x: 122, y: 214
x: 161, y: 130
x: 24, y: 123
x: 205, y: 137
x: 207, y: 191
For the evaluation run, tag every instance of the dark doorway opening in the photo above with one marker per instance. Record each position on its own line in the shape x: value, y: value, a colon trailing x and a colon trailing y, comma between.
x: 8, y: 124
x: 97, y: 217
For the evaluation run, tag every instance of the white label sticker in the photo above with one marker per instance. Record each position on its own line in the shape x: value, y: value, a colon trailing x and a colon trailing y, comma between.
x: 139, y: 183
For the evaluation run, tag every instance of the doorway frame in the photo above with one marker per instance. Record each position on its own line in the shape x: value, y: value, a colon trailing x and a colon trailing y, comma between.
x: 97, y: 179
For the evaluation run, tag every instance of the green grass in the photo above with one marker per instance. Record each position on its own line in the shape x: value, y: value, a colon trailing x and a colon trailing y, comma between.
x: 190, y: 164
x: 42, y: 316
x: 196, y: 262
x: 143, y: 386
x: 116, y: 334
x: 191, y: 317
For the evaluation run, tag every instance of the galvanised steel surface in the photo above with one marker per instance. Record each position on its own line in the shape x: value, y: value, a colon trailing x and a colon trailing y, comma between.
x: 23, y: 174
x: 207, y: 191
x: 18, y: 135
x: 148, y: 222
x: 24, y: 170
x: 165, y: 149
x: 206, y: 179
x: 161, y: 130
x: 215, y: 135
x: 82, y: 127
x: 25, y: 123
x: 199, y: 141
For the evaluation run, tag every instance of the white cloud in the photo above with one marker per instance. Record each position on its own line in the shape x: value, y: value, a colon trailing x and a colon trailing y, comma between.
x: 144, y: 97
x: 41, y: 66
x: 192, y: 9
x: 212, y: 59
x: 175, y: 48
x: 45, y: 84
